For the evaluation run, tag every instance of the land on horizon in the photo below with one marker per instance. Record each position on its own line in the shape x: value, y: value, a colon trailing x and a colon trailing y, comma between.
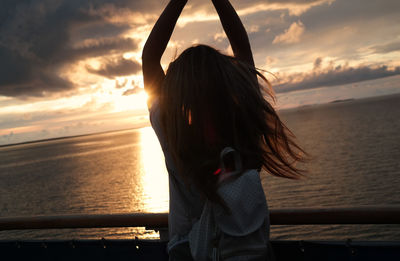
x: 311, y: 106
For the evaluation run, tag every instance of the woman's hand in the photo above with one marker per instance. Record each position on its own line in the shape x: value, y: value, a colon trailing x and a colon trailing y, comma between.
x: 156, y: 43
x: 234, y: 30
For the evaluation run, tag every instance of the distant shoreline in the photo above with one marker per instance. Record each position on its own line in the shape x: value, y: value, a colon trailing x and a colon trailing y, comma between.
x: 308, y: 106
x: 66, y: 137
x: 340, y: 101
x: 344, y: 100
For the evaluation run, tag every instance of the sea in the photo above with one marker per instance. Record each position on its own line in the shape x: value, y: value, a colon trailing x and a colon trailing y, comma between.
x: 354, y: 148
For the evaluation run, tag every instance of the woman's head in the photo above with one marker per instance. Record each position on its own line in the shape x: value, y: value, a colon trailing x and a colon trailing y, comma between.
x: 210, y: 101
x: 204, y: 91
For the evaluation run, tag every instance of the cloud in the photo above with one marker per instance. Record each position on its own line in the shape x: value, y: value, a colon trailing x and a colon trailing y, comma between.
x: 291, y: 35
x: 245, y: 7
x: 219, y: 36
x: 386, y: 48
x: 118, y: 67
x: 120, y: 85
x: 317, y: 63
x: 134, y: 90
x: 253, y: 29
x: 331, y: 76
x: 99, y: 47
x: 270, y: 60
x: 343, y: 30
x: 41, y: 40
x: 21, y: 76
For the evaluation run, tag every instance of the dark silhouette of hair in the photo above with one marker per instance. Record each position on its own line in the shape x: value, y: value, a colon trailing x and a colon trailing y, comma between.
x: 209, y: 101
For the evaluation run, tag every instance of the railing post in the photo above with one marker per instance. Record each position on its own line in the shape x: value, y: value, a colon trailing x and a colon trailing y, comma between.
x: 164, y: 236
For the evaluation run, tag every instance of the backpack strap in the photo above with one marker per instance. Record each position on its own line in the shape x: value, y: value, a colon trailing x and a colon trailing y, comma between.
x: 237, y: 164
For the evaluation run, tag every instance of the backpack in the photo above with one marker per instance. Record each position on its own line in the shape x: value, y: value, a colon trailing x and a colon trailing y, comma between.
x: 242, y: 234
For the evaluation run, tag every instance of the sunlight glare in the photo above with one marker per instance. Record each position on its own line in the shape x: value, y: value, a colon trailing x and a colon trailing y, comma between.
x: 136, y: 101
x: 155, y: 178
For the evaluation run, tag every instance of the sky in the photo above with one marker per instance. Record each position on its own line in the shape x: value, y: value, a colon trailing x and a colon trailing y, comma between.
x: 71, y: 67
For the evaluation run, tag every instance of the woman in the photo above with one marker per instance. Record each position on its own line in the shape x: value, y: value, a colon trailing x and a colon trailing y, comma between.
x: 217, y: 132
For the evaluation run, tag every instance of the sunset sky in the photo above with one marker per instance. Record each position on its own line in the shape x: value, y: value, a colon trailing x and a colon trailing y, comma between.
x: 70, y: 67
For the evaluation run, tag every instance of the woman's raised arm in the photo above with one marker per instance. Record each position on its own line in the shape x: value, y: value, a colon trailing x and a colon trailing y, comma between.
x: 235, y: 31
x: 155, y: 46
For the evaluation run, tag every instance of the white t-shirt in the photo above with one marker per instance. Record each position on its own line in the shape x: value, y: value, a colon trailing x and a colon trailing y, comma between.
x: 245, y: 198
x: 185, y: 206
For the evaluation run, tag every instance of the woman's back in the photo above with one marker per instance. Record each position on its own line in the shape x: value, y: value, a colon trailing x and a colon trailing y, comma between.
x: 185, y: 205
x: 207, y: 103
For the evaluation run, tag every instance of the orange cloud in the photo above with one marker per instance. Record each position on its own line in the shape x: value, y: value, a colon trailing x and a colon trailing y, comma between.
x: 16, y: 130
x: 291, y: 35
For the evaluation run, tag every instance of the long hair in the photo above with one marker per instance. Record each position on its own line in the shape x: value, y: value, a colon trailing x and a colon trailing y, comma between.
x: 209, y: 101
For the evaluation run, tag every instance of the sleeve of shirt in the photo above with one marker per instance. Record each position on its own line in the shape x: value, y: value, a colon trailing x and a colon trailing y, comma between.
x: 155, y: 120
x: 154, y: 111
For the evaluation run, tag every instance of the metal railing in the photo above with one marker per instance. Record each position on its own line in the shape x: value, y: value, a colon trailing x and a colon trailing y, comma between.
x: 296, y: 216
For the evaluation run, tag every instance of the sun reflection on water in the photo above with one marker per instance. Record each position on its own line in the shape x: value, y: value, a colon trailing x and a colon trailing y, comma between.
x: 154, y: 175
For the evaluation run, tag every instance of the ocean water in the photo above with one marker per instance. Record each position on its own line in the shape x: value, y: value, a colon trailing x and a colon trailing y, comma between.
x: 355, y: 161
